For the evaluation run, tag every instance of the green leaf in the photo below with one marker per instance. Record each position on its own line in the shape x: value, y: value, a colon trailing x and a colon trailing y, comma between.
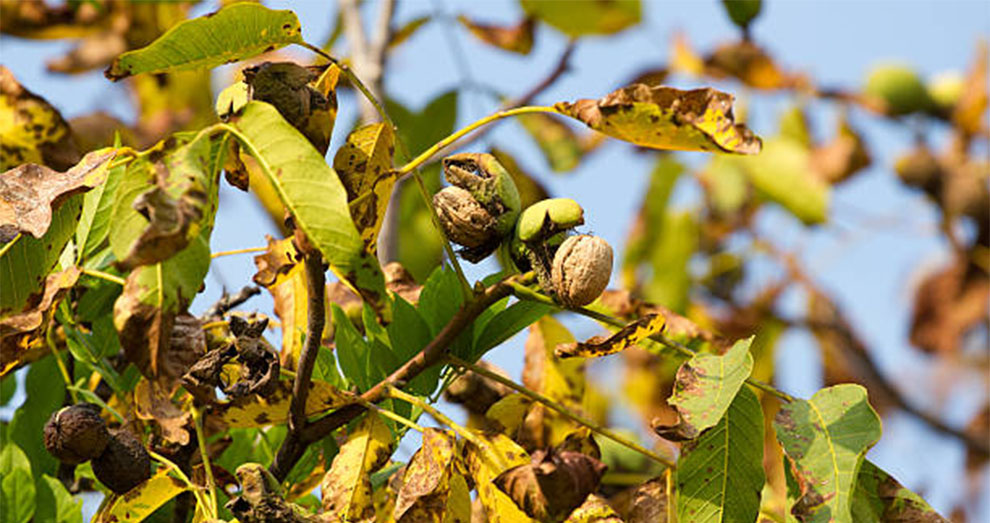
x: 667, y: 118
x: 720, y: 475
x: 652, y: 213
x: 353, y: 351
x: 706, y: 385
x: 783, y: 174
x: 825, y: 439
x: 440, y: 298
x: 98, y: 206
x: 879, y: 498
x: 17, y: 502
x: 313, y: 193
x: 505, y: 324
x: 45, y: 394
x: 669, y: 257
x: 55, y: 504
x: 7, y: 389
x: 579, y: 17
x: 236, y: 32
x: 558, y: 142
x: 409, y: 333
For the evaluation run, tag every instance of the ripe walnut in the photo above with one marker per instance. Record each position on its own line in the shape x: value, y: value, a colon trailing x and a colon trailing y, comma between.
x: 581, y: 269
x: 76, y: 434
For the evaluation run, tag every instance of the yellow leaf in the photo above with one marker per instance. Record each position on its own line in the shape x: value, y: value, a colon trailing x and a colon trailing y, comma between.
x: 140, y: 502
x: 515, y: 39
x: 346, y: 488
x: 22, y: 335
x: 488, y: 456
x: 364, y: 165
x: 580, y: 17
x: 561, y: 381
x: 626, y: 337
x: 595, y: 509
x: 255, y: 411
x: 32, y: 131
x: 667, y: 118
x: 509, y: 412
x: 425, y: 484
x: 458, y: 501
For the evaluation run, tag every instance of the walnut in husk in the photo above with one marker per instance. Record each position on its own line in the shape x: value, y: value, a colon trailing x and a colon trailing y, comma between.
x: 76, y: 434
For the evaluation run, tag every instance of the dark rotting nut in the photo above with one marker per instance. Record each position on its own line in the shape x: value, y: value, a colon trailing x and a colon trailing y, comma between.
x: 124, y: 464
x: 76, y: 434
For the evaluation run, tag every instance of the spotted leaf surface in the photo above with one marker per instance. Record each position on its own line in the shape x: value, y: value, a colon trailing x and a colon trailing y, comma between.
x: 364, y: 164
x: 626, y: 337
x: 346, y: 487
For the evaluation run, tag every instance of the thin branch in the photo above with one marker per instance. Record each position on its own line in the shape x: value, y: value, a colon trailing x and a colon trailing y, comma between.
x: 560, y: 409
x: 430, y: 355
x: 229, y: 301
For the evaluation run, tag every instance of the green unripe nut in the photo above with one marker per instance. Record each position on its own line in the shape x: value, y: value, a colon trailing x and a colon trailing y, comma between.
x: 900, y: 88
x: 946, y: 89
x: 489, y: 183
x: 582, y: 267
x: 546, y: 218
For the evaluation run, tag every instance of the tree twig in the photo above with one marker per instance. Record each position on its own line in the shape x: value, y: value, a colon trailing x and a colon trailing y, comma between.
x: 229, y: 301
x: 430, y: 355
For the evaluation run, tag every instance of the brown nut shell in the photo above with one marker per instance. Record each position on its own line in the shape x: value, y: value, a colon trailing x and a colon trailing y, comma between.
x: 76, y: 434
x: 124, y: 464
x: 581, y: 269
x: 465, y: 221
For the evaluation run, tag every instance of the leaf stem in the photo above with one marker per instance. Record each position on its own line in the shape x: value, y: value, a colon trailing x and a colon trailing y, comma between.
x: 563, y: 411
x: 103, y: 276
x: 442, y: 144
x: 391, y: 415
x: 525, y: 293
x: 238, y: 251
x: 201, y: 439
x: 435, y: 414
x: 50, y: 341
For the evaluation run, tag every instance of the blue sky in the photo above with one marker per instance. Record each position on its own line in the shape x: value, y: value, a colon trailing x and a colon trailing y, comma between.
x: 869, y: 269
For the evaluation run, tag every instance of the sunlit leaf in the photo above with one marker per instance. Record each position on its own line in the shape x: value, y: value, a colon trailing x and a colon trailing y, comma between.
x: 642, y: 503
x: 314, y: 195
x: 515, y: 39
x: 426, y: 482
x: 54, y: 503
x: 558, y: 142
x: 561, y: 381
x: 626, y: 337
x: 783, y: 174
x: 16, y: 485
x: 720, y: 475
x: 487, y: 456
x: 143, y: 500
x: 346, y: 488
x: 364, y: 165
x: 273, y: 409
x: 578, y: 18
x: 705, y: 387
x: 667, y: 118
x: 22, y: 335
x: 31, y: 129
x: 595, y: 509
x: 94, y: 222
x: 234, y: 33
x: 879, y: 497
x: 825, y: 439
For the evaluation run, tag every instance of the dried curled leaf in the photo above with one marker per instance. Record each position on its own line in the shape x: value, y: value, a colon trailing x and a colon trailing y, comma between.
x: 553, y: 483
x: 31, y: 129
x: 30, y: 193
x: 626, y: 337
x: 152, y: 402
x: 667, y: 118
x: 515, y: 39
x: 22, y: 335
x: 425, y: 484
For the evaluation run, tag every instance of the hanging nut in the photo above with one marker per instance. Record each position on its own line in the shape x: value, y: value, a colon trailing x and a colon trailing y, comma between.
x: 489, y: 183
x: 464, y: 220
x: 124, y: 464
x: 76, y: 434
x: 581, y: 269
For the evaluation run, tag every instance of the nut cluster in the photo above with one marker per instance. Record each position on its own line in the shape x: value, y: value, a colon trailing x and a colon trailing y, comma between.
x: 78, y: 434
x: 481, y: 211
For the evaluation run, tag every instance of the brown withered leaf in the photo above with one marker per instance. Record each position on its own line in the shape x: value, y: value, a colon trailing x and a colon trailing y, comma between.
x: 426, y: 479
x: 477, y: 393
x: 154, y: 402
x: 667, y: 118
x: 626, y: 337
x: 22, y: 334
x: 948, y: 304
x: 346, y: 488
x: 749, y: 63
x: 643, y: 503
x: 676, y: 327
x: 98, y: 129
x: 169, y: 222
x: 650, y: 77
x: 30, y: 193
x: 33, y: 130
x: 262, y: 499
x: 38, y: 19
x: 553, y: 483
x: 839, y: 159
x: 92, y: 52
x: 515, y: 39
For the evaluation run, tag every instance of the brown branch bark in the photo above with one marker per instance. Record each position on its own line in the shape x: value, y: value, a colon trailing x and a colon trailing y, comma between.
x: 229, y: 301
x: 432, y: 354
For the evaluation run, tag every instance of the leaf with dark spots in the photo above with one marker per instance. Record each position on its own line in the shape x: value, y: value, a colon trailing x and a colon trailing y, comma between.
x: 486, y: 457
x: 881, y: 498
x: 30, y: 193
x: 153, y: 402
x: 596, y: 509
x: 22, y: 335
x: 626, y: 337
x: 426, y: 479
x: 697, y: 120
x: 235, y: 32
x: 143, y: 500
x: 515, y: 39
x: 32, y: 131
x: 704, y: 389
x: 825, y: 440
x: 553, y: 483
x: 643, y: 503
x: 252, y: 410
x: 346, y: 487
x: 364, y: 164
